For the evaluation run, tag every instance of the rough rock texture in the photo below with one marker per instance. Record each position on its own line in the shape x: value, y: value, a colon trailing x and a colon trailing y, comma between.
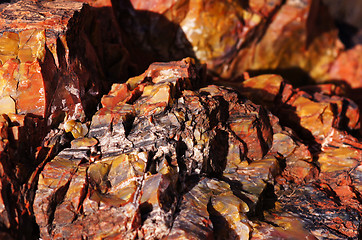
x: 56, y: 61
x: 163, y: 160
x: 323, y: 121
x: 85, y: 154
x: 54, y: 56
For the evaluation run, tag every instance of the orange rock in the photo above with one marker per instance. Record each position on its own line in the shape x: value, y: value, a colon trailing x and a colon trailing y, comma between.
x: 50, y: 59
x: 118, y: 94
x: 348, y: 67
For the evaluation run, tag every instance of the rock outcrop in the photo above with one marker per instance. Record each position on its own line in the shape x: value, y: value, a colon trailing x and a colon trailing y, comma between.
x: 164, y: 159
x: 55, y: 57
x: 139, y: 120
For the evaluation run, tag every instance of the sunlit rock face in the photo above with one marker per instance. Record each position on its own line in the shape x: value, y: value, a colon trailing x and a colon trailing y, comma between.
x: 139, y: 120
x: 165, y: 159
x: 295, y: 38
x: 54, y: 58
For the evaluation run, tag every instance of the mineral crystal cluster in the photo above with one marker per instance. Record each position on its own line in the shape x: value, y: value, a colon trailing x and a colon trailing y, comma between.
x: 179, y: 119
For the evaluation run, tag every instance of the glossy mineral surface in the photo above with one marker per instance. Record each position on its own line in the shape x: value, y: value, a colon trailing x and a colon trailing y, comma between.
x: 112, y: 126
x: 163, y: 160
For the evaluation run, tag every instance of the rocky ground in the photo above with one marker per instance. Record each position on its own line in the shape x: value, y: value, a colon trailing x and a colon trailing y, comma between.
x: 178, y: 120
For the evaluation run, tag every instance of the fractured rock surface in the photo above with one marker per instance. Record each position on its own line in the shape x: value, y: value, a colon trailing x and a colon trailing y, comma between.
x: 199, y: 164
x: 54, y: 57
x: 87, y: 154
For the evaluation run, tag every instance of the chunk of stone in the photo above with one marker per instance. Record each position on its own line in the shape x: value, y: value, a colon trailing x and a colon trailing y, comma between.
x: 207, y: 164
x: 51, y: 61
x: 193, y: 221
x: 216, y: 43
x: 284, y: 37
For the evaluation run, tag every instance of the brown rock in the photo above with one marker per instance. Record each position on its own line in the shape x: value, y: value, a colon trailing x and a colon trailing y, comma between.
x: 168, y: 161
x: 150, y: 164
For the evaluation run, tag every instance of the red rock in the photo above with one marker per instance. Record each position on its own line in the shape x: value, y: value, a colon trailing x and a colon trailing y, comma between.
x: 118, y: 94
x: 163, y: 158
x: 41, y: 55
x: 348, y: 67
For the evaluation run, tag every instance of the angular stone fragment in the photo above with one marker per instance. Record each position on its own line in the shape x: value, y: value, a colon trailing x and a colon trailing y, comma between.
x: 193, y: 221
x: 50, y: 57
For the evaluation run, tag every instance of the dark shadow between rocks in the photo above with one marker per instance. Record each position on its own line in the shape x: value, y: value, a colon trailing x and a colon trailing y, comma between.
x: 289, y: 118
x: 218, y: 154
x: 149, y: 37
x: 268, y: 199
x: 346, y: 33
x: 237, y: 189
x: 319, y: 21
x: 145, y: 209
x: 356, y: 96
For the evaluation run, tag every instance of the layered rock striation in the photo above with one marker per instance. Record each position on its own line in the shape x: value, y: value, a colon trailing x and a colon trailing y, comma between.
x: 164, y: 159
x: 139, y: 120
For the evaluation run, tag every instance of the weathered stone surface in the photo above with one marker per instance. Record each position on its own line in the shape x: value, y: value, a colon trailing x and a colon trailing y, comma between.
x: 149, y: 161
x: 55, y: 60
x: 54, y: 57
x: 216, y: 43
x: 206, y: 163
x: 167, y: 156
x: 295, y: 38
x: 318, y: 119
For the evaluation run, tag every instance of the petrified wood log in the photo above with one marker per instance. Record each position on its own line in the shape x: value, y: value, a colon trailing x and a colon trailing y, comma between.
x: 164, y: 160
x: 165, y: 155
x: 55, y: 56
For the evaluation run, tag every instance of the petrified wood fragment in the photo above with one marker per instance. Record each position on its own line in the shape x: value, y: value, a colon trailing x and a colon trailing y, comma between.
x: 215, y: 43
x: 295, y: 38
x: 151, y: 153
x: 163, y: 160
x: 54, y: 57
x: 324, y: 122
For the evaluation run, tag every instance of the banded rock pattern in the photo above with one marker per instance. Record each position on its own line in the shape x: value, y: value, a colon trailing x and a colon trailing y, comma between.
x: 166, y: 155
x: 164, y: 159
